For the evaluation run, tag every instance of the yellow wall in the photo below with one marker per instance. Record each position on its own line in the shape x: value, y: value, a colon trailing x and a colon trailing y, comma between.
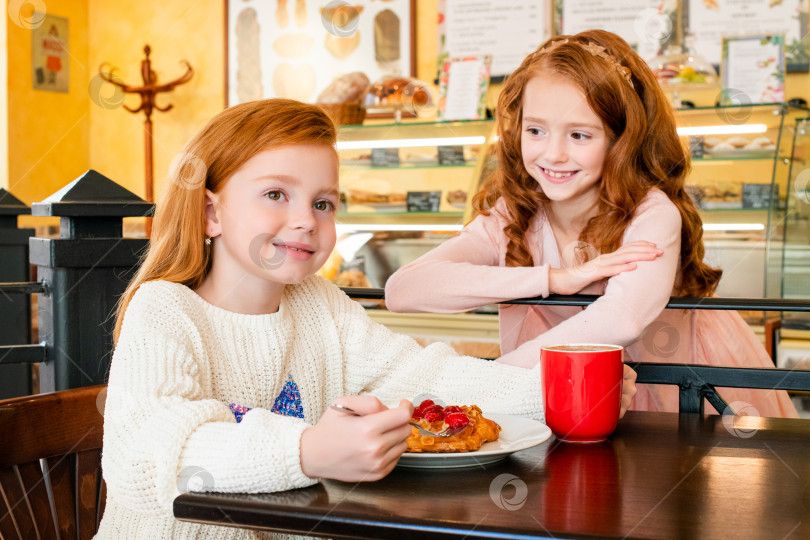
x: 47, y: 131
x: 177, y: 30
x: 3, y: 108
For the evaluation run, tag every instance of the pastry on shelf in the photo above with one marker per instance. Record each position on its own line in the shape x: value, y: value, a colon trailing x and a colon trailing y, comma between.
x: 737, y: 141
x: 357, y: 196
x: 397, y: 94
x: 348, y: 88
x: 760, y: 143
x: 352, y: 278
x: 711, y: 142
x: 678, y: 68
x: 457, y: 197
x: 477, y: 429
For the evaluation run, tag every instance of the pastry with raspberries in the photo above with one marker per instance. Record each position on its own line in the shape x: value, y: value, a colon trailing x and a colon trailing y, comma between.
x: 433, y: 417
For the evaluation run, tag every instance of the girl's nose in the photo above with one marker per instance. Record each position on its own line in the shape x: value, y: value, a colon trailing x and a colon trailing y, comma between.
x: 555, y: 150
x: 303, y: 218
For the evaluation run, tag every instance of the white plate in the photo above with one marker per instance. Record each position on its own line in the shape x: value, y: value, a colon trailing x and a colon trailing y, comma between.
x: 517, y: 433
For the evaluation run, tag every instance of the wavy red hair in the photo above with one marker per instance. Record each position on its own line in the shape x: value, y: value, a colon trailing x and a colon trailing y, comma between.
x: 644, y: 152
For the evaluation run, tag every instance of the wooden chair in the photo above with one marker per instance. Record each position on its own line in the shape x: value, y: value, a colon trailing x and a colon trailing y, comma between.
x: 50, y: 465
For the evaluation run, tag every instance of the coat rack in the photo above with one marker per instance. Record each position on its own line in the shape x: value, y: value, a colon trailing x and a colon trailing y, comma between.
x: 148, y: 93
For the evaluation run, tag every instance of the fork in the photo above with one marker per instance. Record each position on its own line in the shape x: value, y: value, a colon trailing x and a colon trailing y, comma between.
x: 448, y: 432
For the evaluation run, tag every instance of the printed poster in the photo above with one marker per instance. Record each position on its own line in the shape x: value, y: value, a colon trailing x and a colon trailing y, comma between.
x: 755, y: 67
x: 463, y: 84
x: 707, y: 22
x: 49, y: 54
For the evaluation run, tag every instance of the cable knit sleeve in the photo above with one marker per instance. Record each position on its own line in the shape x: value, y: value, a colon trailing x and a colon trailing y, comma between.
x: 162, y: 430
x: 463, y: 273
x: 632, y: 300
x: 393, y: 366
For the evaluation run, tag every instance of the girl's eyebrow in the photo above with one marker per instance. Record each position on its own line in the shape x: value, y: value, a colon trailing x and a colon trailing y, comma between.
x: 286, y: 178
x: 571, y: 124
x: 331, y: 193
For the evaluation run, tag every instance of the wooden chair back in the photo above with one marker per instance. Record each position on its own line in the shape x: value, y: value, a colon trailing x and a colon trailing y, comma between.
x: 50, y: 465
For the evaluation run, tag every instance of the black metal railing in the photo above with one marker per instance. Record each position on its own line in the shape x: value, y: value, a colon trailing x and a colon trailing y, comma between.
x: 695, y: 382
x: 80, y: 276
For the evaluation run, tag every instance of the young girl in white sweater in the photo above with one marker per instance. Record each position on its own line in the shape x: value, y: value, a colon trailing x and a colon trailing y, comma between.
x: 226, y: 315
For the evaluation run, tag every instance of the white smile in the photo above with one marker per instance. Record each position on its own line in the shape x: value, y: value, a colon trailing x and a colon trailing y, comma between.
x: 557, y: 174
x: 290, y: 248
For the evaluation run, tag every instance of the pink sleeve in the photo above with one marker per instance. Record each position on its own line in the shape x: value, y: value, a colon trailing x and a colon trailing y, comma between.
x: 464, y: 273
x: 632, y: 300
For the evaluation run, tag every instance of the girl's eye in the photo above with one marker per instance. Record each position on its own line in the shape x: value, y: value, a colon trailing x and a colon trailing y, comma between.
x: 578, y: 135
x: 533, y: 131
x: 275, y: 195
x: 323, y: 206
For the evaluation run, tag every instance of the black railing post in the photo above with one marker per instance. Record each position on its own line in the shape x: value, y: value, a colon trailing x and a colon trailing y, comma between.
x: 15, y: 309
x: 86, y: 269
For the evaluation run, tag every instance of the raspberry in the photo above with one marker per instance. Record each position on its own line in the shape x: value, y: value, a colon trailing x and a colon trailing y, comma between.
x: 433, y: 408
x: 417, y: 414
x: 433, y: 416
x: 452, y: 409
x: 457, y: 420
x: 425, y: 404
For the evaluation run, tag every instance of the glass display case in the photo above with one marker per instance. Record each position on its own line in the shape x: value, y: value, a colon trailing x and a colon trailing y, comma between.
x: 789, y: 264
x: 406, y: 187
x: 741, y: 162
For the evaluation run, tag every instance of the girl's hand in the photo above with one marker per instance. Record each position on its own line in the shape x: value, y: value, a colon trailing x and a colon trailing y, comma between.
x: 356, y: 448
x: 573, y: 280
x: 628, y: 388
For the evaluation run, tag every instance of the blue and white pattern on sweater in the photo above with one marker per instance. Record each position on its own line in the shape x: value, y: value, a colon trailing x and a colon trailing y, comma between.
x: 287, y: 403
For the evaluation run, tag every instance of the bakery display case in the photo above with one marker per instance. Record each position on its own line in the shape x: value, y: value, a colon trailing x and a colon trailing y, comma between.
x: 405, y: 187
x: 741, y: 163
x: 789, y: 265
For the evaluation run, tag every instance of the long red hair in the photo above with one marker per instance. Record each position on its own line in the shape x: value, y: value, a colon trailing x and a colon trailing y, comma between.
x: 645, y: 152
x: 177, y: 250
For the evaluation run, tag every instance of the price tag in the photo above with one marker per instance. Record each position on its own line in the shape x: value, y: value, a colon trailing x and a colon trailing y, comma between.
x: 696, y: 147
x: 756, y: 195
x: 385, y: 157
x: 451, y: 155
x: 423, y: 201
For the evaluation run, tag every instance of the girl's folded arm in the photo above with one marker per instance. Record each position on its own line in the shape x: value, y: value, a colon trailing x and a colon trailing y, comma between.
x: 463, y: 273
x: 632, y: 300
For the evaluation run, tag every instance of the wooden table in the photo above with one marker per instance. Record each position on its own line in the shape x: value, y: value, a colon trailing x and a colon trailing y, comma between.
x: 661, y: 475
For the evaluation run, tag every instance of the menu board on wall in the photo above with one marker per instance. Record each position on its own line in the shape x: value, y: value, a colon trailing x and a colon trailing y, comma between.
x: 506, y: 31
x: 709, y: 21
x: 647, y: 25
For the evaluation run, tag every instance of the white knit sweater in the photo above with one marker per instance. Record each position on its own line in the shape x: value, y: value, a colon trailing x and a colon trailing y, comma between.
x: 180, y: 361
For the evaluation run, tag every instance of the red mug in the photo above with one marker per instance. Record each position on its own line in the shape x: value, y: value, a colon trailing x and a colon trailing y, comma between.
x: 582, y: 390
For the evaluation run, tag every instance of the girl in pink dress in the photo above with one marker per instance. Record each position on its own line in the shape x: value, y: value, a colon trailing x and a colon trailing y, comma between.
x: 589, y: 198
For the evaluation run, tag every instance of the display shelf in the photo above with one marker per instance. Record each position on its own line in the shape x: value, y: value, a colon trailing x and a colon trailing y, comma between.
x: 414, y: 133
x: 377, y: 195
x: 747, y: 243
x: 409, y: 167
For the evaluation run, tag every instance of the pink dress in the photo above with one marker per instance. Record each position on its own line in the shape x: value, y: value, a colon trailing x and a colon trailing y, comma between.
x: 469, y: 271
